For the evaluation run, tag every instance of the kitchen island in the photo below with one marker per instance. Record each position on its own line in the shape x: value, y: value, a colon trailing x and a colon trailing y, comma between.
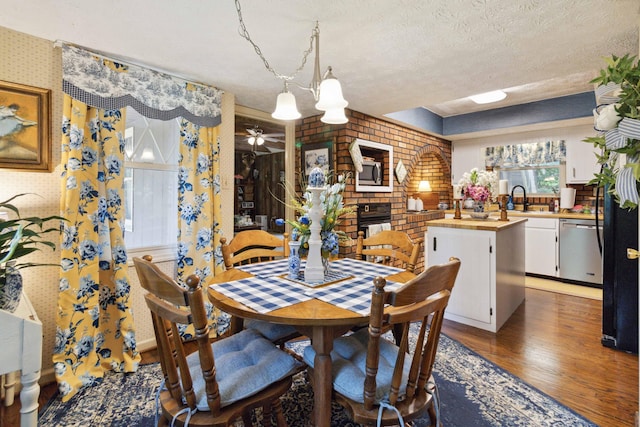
x: 491, y: 281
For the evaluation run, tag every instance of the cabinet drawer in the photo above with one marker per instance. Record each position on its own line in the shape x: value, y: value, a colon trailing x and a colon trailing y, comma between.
x: 541, y: 223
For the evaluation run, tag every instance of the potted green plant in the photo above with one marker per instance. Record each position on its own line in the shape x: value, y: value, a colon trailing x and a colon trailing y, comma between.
x: 19, y: 237
x: 617, y: 118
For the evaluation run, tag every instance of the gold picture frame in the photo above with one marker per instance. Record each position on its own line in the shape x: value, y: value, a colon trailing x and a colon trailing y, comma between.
x: 25, y: 127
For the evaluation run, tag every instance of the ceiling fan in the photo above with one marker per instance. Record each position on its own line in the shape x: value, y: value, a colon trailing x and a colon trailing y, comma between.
x: 257, y: 136
x: 256, y: 140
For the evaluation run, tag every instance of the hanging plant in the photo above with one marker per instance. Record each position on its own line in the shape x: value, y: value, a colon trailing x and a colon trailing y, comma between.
x: 617, y: 119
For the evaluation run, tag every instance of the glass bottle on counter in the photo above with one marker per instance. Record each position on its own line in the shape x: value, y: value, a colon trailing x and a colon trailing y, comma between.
x: 510, y: 204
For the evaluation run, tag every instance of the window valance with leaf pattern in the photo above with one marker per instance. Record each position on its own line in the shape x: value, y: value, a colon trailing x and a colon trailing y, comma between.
x: 543, y: 153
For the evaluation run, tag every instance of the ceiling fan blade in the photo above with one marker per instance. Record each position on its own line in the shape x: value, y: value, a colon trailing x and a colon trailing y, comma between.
x: 274, y: 149
x: 273, y: 135
x: 273, y: 139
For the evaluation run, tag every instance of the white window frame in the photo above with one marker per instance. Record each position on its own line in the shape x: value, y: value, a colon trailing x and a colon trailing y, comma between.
x: 562, y: 178
x: 160, y: 253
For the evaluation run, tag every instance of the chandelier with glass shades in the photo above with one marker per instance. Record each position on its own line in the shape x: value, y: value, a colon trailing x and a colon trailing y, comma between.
x: 325, y: 88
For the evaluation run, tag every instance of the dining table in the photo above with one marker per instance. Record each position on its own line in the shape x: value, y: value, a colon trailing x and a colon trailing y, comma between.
x: 320, y: 311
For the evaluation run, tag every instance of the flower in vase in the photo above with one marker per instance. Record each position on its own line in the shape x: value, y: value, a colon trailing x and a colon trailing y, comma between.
x: 479, y: 185
x: 332, y: 208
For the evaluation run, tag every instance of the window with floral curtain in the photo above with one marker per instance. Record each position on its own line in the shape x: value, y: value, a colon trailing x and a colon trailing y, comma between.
x: 535, y: 165
x: 95, y: 329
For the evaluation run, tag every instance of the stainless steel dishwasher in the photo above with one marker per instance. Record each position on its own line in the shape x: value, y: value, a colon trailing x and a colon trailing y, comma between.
x: 580, y: 258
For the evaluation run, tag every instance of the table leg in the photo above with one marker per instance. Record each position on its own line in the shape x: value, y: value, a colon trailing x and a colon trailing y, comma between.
x: 29, y: 399
x: 322, y: 341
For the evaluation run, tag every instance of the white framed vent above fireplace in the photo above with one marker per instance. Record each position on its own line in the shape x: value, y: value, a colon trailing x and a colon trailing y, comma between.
x: 377, y: 167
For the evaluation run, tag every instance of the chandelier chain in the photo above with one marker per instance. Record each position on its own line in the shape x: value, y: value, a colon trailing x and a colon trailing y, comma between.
x: 244, y: 33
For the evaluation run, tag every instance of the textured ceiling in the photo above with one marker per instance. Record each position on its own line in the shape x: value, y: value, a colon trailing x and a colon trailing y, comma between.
x: 389, y: 55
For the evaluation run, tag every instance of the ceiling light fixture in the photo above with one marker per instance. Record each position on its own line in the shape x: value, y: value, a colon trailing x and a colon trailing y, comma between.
x: 325, y: 88
x: 256, y: 140
x: 256, y: 136
x: 488, y: 97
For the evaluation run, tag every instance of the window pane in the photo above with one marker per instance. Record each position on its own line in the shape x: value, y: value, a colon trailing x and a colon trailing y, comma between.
x: 151, y: 177
x: 155, y: 209
x: 539, y: 181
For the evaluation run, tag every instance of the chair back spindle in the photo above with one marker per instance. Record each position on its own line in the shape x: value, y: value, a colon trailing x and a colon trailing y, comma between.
x: 251, y: 246
x: 390, y: 247
x: 397, y: 376
x: 194, y: 391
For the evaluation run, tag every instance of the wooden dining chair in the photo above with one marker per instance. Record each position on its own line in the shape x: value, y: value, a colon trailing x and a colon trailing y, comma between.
x: 253, y: 246
x: 390, y: 247
x: 217, y: 383
x: 371, y: 371
x: 248, y: 247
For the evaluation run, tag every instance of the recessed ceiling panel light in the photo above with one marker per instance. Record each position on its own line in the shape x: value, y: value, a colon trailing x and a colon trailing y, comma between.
x: 487, y: 97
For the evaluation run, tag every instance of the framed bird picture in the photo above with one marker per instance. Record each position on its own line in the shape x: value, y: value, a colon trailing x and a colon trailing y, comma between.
x: 25, y: 127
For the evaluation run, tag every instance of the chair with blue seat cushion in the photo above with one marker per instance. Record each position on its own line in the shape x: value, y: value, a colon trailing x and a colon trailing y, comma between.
x: 217, y: 383
x: 248, y: 247
x: 370, y: 371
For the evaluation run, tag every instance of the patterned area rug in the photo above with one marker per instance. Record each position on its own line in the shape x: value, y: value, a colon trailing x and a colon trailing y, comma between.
x: 473, y: 392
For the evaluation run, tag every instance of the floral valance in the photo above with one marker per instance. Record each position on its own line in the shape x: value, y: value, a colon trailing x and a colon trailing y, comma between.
x: 108, y: 84
x: 543, y: 153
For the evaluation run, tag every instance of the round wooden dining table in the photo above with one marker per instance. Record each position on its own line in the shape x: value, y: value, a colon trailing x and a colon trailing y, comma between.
x: 320, y: 321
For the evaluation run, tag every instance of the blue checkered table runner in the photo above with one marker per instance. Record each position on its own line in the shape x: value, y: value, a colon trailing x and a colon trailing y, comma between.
x: 268, y: 268
x: 264, y: 294
x: 351, y: 294
x: 363, y: 268
x: 350, y: 285
x: 344, y: 265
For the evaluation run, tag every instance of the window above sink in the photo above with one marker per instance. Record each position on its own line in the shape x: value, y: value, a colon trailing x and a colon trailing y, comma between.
x: 539, y: 181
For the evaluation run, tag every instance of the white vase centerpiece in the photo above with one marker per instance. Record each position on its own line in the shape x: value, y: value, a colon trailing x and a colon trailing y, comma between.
x: 314, y: 269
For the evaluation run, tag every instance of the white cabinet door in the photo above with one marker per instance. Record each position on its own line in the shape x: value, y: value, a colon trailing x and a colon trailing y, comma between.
x: 541, y: 250
x: 471, y: 295
x: 581, y: 163
x: 464, y: 158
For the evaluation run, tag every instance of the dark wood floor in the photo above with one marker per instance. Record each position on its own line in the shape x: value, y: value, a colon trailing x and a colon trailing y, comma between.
x: 552, y: 342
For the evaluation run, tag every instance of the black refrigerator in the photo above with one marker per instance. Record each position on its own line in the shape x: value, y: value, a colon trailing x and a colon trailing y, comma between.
x: 619, y: 278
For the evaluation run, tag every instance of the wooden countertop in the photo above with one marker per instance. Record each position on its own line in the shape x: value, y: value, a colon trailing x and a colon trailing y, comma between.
x: 534, y: 214
x: 489, y: 224
x: 413, y: 216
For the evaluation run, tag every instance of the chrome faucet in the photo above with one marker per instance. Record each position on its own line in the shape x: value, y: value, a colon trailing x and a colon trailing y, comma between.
x: 525, y: 203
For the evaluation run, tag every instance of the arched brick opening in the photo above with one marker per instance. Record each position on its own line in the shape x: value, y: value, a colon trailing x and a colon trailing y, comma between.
x: 430, y: 164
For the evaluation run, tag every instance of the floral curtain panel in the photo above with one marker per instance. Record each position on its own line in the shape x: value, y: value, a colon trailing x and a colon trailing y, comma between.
x: 523, y: 155
x: 199, y: 208
x: 94, y: 323
x: 94, y: 320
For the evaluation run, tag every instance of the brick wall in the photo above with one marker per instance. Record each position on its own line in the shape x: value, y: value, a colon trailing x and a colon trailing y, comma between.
x: 425, y: 157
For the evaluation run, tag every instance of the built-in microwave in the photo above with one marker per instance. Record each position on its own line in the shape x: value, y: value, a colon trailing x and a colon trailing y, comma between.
x: 371, y: 173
